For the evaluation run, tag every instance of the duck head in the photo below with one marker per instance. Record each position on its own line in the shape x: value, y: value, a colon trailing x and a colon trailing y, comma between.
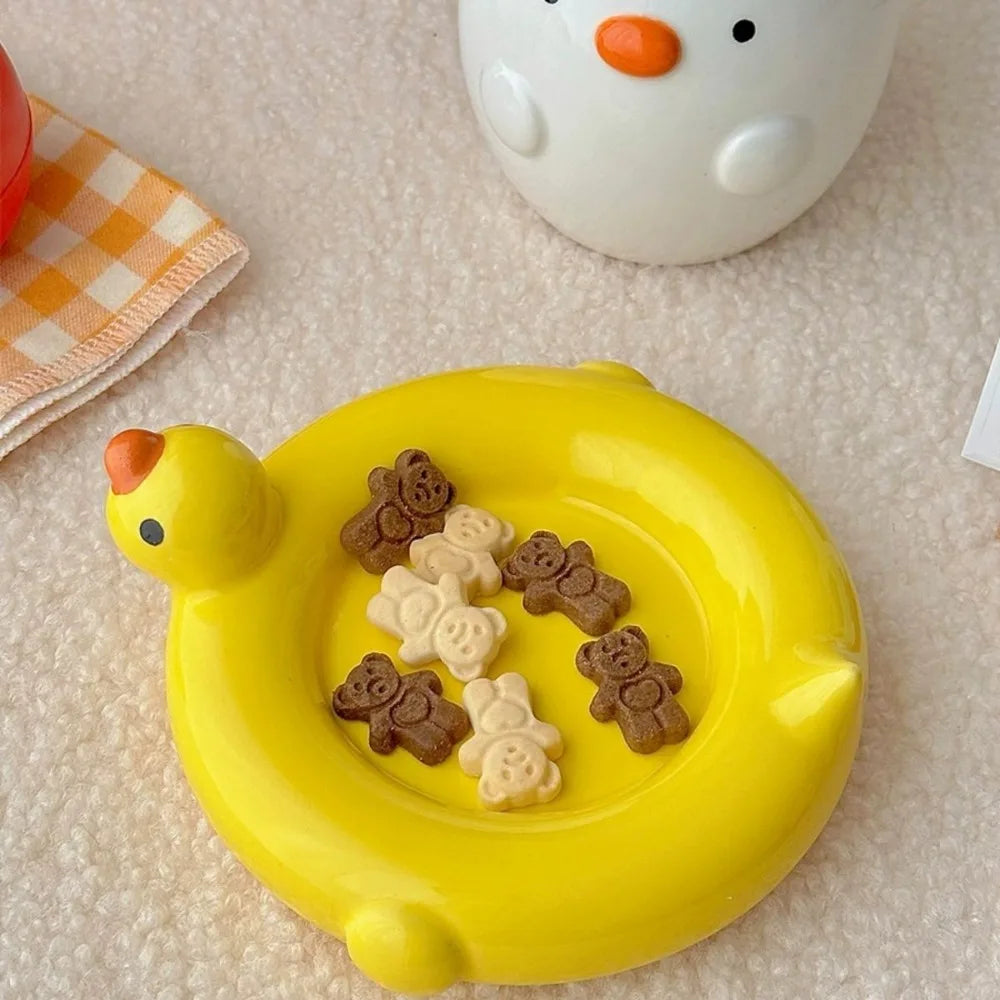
x: 192, y: 506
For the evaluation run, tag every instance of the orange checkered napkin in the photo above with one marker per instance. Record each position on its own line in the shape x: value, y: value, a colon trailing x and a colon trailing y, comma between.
x: 108, y: 261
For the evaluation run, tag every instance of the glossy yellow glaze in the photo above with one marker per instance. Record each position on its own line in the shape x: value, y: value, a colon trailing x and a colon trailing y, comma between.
x: 733, y: 579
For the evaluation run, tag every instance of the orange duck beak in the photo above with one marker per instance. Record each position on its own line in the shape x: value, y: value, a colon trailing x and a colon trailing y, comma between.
x: 130, y: 457
x: 638, y: 46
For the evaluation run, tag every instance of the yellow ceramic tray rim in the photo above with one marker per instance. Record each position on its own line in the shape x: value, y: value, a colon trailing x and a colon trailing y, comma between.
x: 733, y: 579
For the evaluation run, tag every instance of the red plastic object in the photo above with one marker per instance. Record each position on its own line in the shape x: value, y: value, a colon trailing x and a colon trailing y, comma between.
x: 15, y: 146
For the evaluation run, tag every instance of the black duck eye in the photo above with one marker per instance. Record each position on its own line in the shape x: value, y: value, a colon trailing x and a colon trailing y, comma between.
x: 151, y: 531
x: 552, y: 1
x: 744, y: 30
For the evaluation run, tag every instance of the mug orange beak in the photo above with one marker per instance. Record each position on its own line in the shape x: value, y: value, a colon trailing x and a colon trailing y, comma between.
x: 130, y: 457
x: 638, y: 46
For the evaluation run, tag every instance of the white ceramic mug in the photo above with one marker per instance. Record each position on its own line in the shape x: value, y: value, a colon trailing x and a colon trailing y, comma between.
x: 675, y: 131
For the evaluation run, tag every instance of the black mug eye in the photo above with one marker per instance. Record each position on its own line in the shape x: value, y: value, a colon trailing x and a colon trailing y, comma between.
x: 552, y: 1
x: 744, y: 30
x: 151, y: 531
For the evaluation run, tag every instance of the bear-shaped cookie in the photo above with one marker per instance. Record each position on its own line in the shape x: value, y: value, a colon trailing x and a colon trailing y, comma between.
x: 401, y: 711
x: 516, y: 773
x: 511, y: 753
x: 408, y: 501
x: 469, y: 545
x: 436, y: 622
x: 634, y: 691
x: 558, y: 579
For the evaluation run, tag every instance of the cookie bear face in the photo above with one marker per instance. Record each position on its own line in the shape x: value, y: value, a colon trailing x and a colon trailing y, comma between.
x: 616, y: 655
x: 541, y: 557
x: 423, y: 487
x: 467, y: 639
x: 517, y: 773
x: 373, y: 683
x: 477, y: 530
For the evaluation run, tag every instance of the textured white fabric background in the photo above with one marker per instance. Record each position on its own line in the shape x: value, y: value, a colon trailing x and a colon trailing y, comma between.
x: 336, y: 138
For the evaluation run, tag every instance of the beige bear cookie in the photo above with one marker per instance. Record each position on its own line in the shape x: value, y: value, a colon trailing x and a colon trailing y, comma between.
x: 435, y: 622
x: 469, y: 545
x: 511, y: 753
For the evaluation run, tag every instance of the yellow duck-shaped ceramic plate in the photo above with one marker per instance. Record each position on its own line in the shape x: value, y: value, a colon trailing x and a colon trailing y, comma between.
x: 732, y: 577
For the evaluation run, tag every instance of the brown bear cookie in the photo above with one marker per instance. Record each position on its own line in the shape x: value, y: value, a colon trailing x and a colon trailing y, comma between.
x: 558, y: 579
x: 637, y: 693
x: 401, y: 711
x: 408, y: 502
